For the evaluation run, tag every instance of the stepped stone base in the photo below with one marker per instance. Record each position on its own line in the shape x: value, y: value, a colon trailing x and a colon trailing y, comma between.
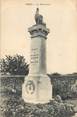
x: 37, y: 89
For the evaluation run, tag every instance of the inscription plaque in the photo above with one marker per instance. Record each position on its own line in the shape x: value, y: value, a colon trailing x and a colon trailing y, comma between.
x: 34, y: 55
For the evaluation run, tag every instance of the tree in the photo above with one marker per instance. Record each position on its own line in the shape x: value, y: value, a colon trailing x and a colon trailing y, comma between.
x: 15, y: 65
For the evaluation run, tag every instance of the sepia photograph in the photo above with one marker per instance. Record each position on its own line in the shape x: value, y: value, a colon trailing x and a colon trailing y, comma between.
x: 38, y: 58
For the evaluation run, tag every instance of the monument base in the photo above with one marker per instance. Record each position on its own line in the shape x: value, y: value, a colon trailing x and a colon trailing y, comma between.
x: 37, y: 89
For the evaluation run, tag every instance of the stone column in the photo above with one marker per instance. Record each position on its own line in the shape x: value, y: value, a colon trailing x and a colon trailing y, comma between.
x: 37, y: 87
x: 38, y: 49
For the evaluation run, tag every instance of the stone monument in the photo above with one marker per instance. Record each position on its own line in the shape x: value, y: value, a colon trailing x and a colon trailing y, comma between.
x: 37, y: 87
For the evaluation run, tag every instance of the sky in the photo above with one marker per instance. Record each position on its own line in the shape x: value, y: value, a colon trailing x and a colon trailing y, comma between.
x: 60, y: 17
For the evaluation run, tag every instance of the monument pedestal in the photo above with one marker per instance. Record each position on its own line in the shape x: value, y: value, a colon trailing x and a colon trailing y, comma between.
x: 37, y: 89
x: 37, y: 86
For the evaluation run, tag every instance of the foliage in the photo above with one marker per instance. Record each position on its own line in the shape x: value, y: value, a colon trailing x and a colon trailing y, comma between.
x: 16, y: 107
x: 12, y: 104
x: 15, y: 65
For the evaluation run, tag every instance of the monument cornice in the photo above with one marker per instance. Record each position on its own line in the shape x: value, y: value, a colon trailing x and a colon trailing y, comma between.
x: 38, y: 30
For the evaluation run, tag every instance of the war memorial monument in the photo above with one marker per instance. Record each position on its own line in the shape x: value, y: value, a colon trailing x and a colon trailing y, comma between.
x: 37, y: 87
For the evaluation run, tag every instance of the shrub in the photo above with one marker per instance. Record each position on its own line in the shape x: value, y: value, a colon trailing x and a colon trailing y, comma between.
x: 14, y: 65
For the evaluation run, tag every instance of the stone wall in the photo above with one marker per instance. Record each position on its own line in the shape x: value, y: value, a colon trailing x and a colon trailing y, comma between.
x: 11, y: 84
x: 64, y: 85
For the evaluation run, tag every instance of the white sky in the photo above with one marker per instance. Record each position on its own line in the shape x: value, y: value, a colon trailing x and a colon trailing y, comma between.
x: 61, y: 19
